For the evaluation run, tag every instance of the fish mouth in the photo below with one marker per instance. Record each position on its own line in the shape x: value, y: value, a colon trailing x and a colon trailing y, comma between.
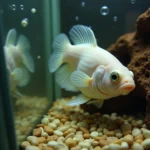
x: 127, y: 87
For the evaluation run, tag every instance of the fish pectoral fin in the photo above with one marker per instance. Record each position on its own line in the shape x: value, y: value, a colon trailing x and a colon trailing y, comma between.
x: 80, y: 99
x: 21, y: 76
x: 17, y: 74
x: 63, y: 78
x: 97, y: 103
x: 80, y: 79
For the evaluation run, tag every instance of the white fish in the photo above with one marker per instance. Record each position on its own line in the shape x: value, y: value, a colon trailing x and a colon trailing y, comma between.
x: 87, y: 68
x: 18, y: 60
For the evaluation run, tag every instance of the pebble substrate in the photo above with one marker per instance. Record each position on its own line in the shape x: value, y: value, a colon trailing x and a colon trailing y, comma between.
x: 70, y: 128
x: 27, y: 111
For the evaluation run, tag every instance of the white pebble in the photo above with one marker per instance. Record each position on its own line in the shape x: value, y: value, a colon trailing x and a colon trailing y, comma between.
x: 106, y: 147
x: 114, y: 146
x: 56, y: 121
x: 124, y: 146
x: 136, y: 131
x: 32, y: 148
x: 84, y: 148
x: 83, y: 124
x: 94, y: 134
x: 30, y: 138
x: 146, y: 133
x: 78, y: 139
x: 146, y: 143
x: 92, y: 129
x: 52, y: 125
x: 45, y: 121
x: 137, y: 146
x: 100, y: 134
x: 52, y: 143
x: 63, y: 128
x: 57, y: 132
x: 113, y: 114
x: 100, y: 129
x: 84, y: 144
x: 94, y: 143
x: 105, y: 130
x: 119, y: 135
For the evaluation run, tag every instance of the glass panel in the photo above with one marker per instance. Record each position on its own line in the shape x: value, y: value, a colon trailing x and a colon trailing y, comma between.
x: 27, y: 45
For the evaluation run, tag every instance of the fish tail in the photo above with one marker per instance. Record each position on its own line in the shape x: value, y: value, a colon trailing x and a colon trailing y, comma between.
x: 24, y: 46
x: 60, y: 46
x: 11, y: 37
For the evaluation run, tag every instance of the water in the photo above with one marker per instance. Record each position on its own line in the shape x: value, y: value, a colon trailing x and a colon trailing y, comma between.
x: 41, y: 22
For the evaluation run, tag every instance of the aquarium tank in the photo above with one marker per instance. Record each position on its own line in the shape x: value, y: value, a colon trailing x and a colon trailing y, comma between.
x: 75, y: 75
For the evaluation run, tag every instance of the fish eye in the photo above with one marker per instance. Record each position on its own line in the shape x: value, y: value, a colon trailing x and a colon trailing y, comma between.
x: 114, y: 76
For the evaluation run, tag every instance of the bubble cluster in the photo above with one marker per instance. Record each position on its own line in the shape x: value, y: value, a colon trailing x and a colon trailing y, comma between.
x: 104, y: 10
x: 13, y: 7
x: 21, y: 7
x: 115, y: 18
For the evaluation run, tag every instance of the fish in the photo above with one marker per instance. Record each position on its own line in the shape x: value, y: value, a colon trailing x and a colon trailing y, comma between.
x: 19, y: 62
x: 82, y: 66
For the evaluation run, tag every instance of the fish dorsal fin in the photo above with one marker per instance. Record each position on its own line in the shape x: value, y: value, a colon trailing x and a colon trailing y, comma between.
x: 11, y: 37
x: 80, y: 34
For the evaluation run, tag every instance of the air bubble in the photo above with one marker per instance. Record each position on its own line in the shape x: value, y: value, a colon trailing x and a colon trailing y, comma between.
x: 104, y: 10
x: 38, y: 57
x: 13, y: 7
x: 1, y: 11
x: 83, y: 4
x: 25, y: 22
x: 21, y: 7
x: 33, y: 10
x: 77, y: 18
x: 133, y: 1
x: 115, y: 18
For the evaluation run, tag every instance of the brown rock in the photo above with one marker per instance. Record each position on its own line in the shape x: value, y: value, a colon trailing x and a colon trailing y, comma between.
x: 37, y: 132
x: 103, y: 143
x: 84, y: 130
x: 41, y: 139
x: 48, y: 130
x: 52, y: 138
x: 86, y: 136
